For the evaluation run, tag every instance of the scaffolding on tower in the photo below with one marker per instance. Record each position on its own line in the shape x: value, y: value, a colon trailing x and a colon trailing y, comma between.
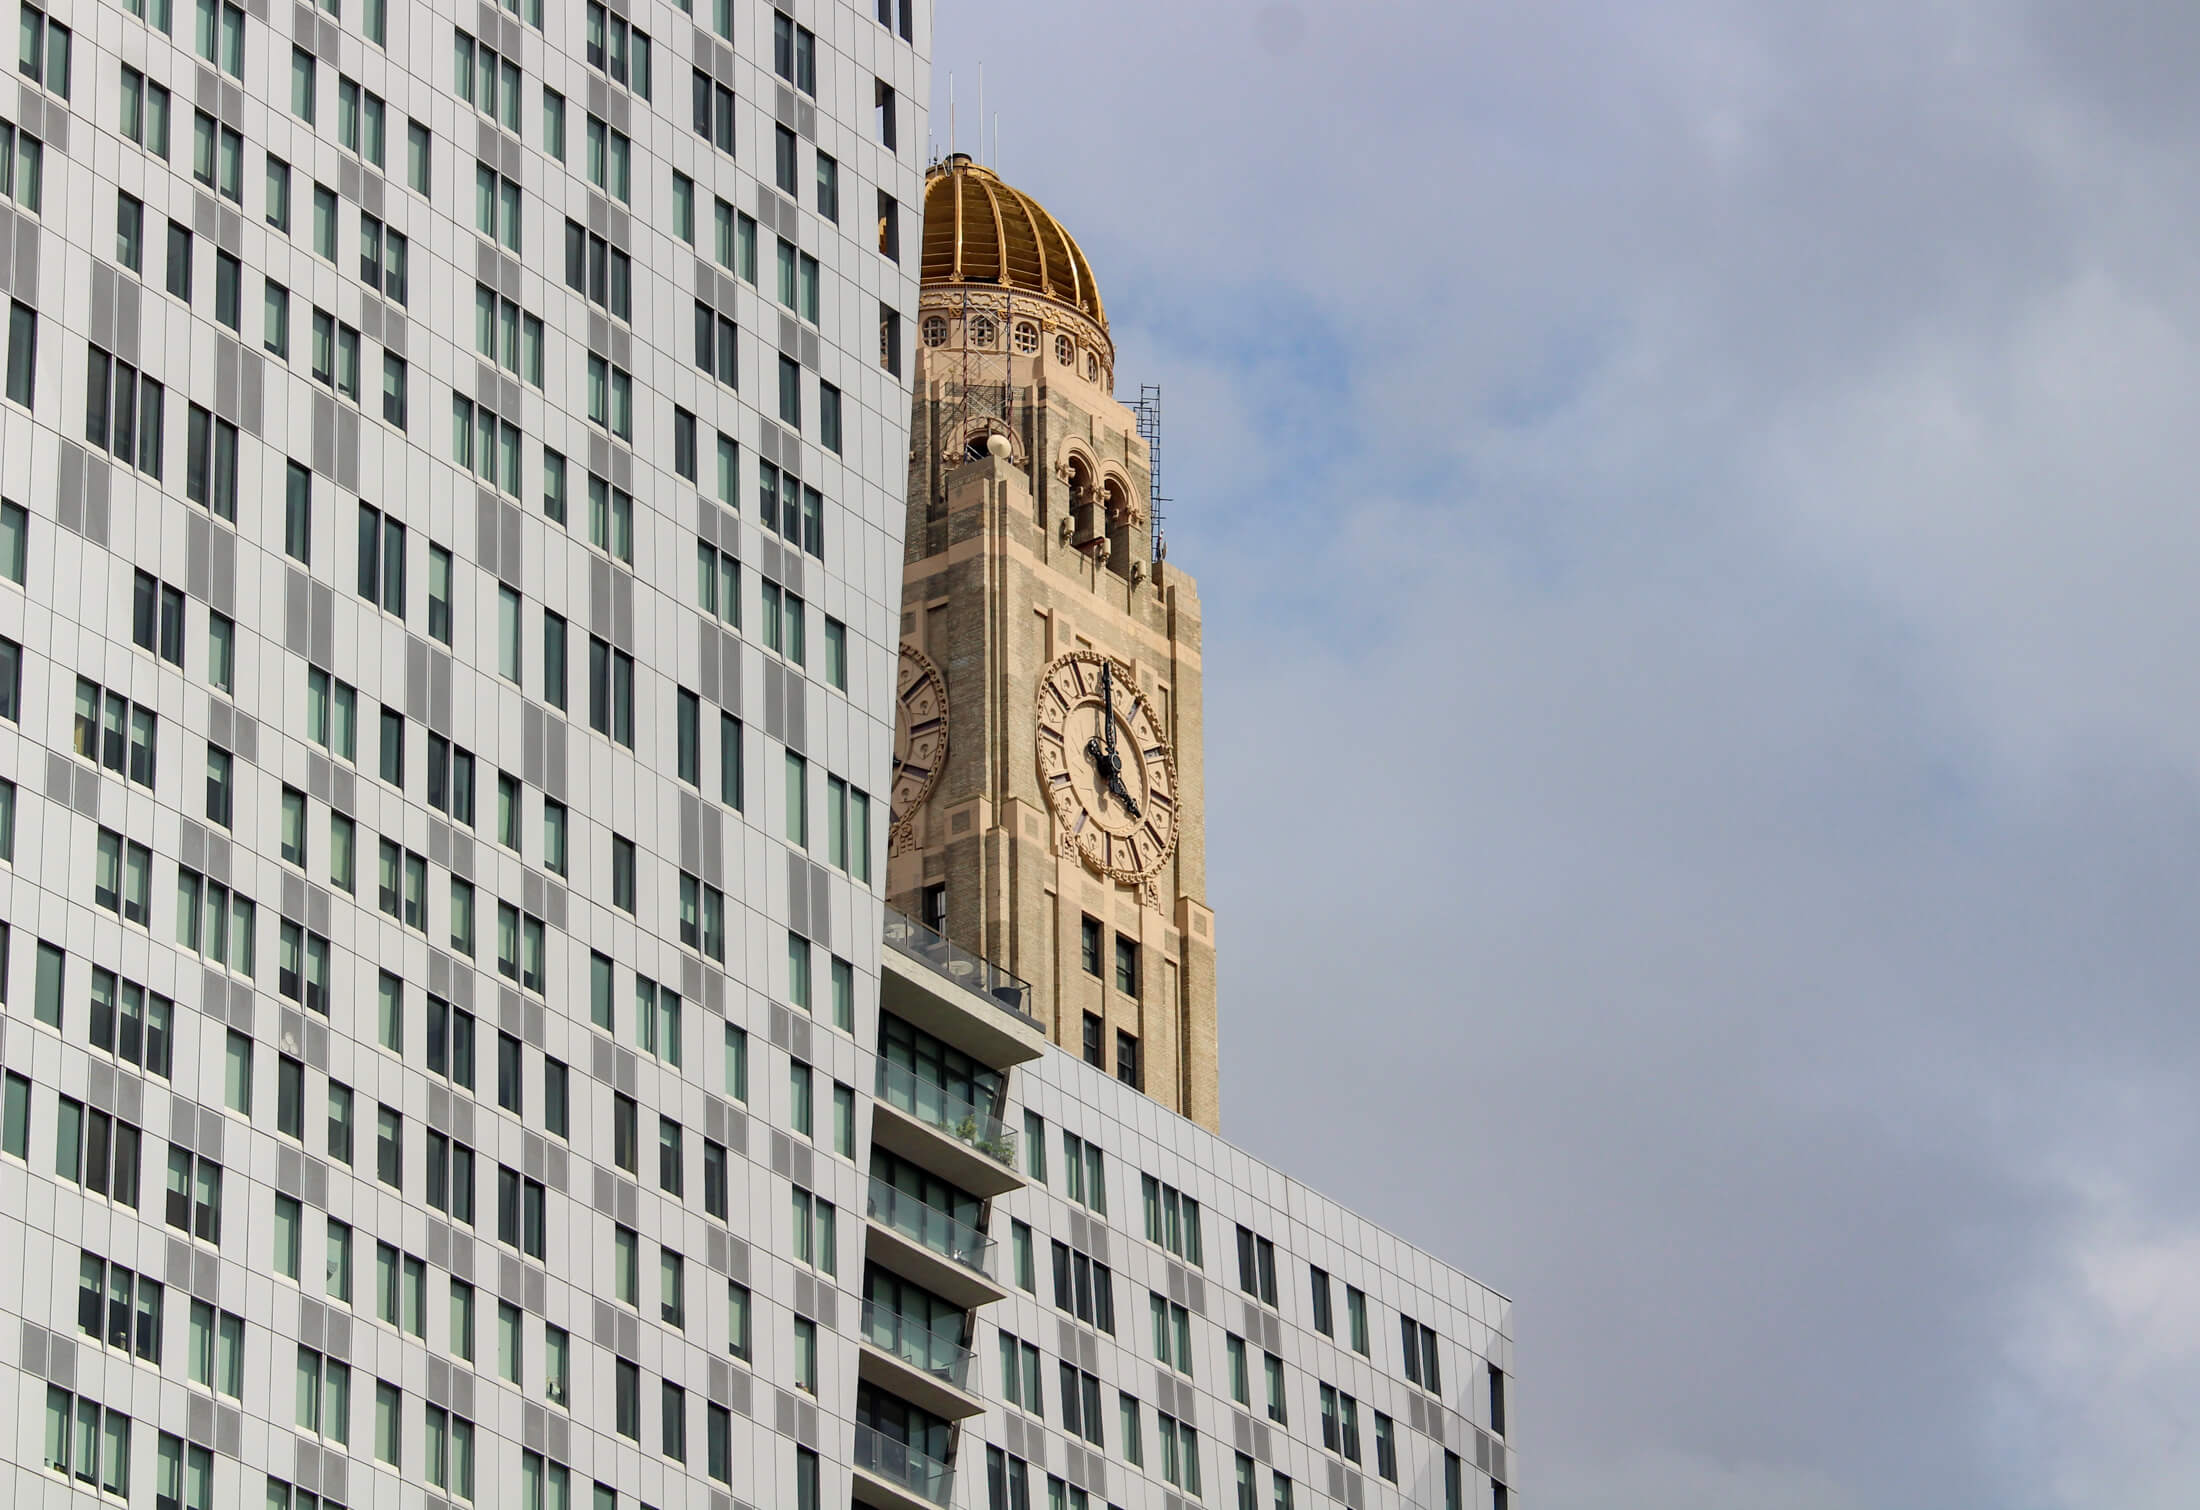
x: 1147, y: 409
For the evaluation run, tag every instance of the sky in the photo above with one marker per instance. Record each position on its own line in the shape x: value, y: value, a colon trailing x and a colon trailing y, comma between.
x: 1694, y: 509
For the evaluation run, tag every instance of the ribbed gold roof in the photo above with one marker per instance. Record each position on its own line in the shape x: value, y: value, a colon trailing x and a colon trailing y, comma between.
x: 979, y: 230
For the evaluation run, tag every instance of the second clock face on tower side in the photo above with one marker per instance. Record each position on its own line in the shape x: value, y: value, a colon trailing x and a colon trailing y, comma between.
x: 920, y: 732
x: 1105, y: 766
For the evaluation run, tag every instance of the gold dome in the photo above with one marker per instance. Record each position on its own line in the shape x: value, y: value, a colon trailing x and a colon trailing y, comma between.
x: 979, y: 230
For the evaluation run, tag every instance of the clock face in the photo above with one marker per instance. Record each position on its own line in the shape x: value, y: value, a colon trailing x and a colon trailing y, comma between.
x: 920, y: 732
x: 1106, y: 766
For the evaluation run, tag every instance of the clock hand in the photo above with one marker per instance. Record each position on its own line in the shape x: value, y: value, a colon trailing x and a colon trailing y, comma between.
x: 1107, y: 694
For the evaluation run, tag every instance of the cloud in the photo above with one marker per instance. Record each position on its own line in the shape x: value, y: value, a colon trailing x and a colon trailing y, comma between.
x: 1693, y: 513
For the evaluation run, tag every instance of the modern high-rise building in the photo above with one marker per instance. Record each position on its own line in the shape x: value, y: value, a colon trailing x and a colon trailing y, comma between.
x: 455, y: 467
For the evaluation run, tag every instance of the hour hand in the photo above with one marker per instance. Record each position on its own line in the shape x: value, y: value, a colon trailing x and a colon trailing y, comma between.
x: 1115, y: 785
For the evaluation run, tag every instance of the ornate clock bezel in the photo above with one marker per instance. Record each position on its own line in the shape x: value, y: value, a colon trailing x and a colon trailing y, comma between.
x: 1065, y: 842
x: 901, y: 831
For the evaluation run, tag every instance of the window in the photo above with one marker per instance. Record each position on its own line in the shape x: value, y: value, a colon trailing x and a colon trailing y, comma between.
x: 123, y: 408
x: 794, y: 53
x: 1179, y: 1453
x: 22, y: 353
x: 497, y: 207
x: 385, y: 259
x: 815, y: 1242
x: 828, y: 417
x: 785, y: 156
x: 1095, y: 1045
x: 210, y: 464
x: 83, y: 1437
x: 656, y: 1020
x: 828, y: 188
x: 451, y: 1042
x: 484, y: 444
x: 598, y: 271
x: 507, y: 334
x: 626, y: 1136
x: 302, y: 966
x: 610, y: 397
x: 671, y: 1157
x: 419, y: 142
x: 389, y: 1147
x: 737, y: 1319
x: 217, y: 1350
x: 45, y: 52
x: 553, y: 659
x: 1272, y: 1367
x: 123, y: 879
x: 324, y: 222
x: 401, y: 1290
x: 489, y: 83
x: 288, y: 1241
x: 1172, y: 1221
x: 339, y: 1122
x: 1027, y: 1275
x: 844, y: 995
x: 1081, y: 1406
x: 557, y: 1353
x: 718, y: 583
x: 214, y: 922
x: 1020, y: 1375
x: 130, y: 1022
x: 1257, y: 1265
x: 1497, y: 1399
x: 836, y: 654
x: 610, y: 519
x: 798, y: 970
x: 737, y: 1062
x: 556, y: 1098
x: 611, y: 693
x: 713, y: 111
x: 702, y: 917
x: 304, y: 85
x: 194, y: 1195
x: 118, y: 1307
x: 361, y: 121
x: 1340, y: 1422
x: 882, y: 107
x: 15, y: 1117
x: 1355, y: 1305
x: 1172, y: 1333
x: 553, y: 123
x: 683, y: 207
x: 1325, y: 1321
x: 220, y: 35
x: 462, y: 1320
x: 1417, y: 1344
x: 522, y: 1220
x: 715, y: 350
x: 736, y: 241
x: 889, y: 340
x: 450, y: 1452
x: 730, y: 785
x: 145, y: 111
x: 1007, y: 1479
x: 389, y: 1411
x: 671, y: 1288
x: 610, y: 160
x: 1086, y: 1172
x: 1084, y: 1289
x: 783, y: 622
x: 324, y: 1396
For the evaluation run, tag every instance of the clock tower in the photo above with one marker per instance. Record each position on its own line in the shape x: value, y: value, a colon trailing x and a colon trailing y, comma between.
x: 1048, y: 804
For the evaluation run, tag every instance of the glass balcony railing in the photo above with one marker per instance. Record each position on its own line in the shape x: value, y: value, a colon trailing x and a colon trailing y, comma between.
x: 936, y: 1106
x: 973, y: 972
x: 937, y: 1353
x: 921, y: 1474
x: 931, y: 1227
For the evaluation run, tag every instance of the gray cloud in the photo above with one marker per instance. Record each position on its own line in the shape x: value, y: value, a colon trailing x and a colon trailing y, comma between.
x: 1693, y: 510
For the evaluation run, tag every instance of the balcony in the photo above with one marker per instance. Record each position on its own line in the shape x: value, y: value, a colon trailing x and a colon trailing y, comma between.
x: 928, y: 1124
x: 895, y: 1476
x: 927, y: 1368
x: 950, y: 1258
x: 959, y: 997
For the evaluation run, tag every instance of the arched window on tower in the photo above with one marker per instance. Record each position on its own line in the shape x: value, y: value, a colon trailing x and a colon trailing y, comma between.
x: 1083, y: 503
x: 1122, y: 530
